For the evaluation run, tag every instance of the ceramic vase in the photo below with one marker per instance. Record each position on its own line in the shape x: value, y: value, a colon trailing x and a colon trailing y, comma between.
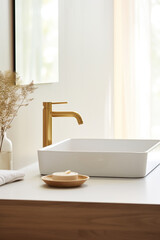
x: 6, y: 154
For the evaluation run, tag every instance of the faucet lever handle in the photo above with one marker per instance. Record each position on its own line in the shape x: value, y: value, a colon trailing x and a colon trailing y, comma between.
x: 59, y: 102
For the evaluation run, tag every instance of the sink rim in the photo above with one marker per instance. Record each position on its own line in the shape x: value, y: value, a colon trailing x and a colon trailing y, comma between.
x: 51, y: 147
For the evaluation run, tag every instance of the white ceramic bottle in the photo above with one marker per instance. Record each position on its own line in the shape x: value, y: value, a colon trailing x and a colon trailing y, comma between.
x: 6, y: 153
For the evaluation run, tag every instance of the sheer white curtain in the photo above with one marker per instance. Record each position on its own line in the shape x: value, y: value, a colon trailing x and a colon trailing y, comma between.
x: 132, y: 68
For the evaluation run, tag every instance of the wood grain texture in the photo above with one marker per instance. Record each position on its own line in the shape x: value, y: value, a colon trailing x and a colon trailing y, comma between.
x: 66, y: 220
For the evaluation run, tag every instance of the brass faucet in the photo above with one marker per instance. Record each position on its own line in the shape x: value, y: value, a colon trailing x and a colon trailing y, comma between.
x: 47, y: 120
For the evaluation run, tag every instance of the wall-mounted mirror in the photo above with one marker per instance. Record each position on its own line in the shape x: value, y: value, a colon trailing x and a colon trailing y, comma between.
x: 36, y: 40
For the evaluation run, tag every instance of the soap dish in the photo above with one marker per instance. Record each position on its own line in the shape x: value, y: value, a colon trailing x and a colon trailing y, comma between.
x: 64, y: 183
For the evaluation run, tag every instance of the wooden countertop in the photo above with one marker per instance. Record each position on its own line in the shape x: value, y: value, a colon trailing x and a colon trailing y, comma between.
x: 103, y: 208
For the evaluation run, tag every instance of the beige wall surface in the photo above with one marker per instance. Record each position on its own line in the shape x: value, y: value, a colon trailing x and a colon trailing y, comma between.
x: 86, y: 72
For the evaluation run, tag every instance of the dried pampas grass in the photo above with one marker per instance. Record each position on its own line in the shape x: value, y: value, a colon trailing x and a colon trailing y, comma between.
x: 12, y: 98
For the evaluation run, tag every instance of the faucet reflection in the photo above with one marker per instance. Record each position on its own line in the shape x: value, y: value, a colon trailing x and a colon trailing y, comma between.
x: 47, y: 120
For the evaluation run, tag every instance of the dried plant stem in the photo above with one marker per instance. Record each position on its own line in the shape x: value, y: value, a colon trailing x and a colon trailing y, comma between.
x: 2, y: 137
x: 16, y: 112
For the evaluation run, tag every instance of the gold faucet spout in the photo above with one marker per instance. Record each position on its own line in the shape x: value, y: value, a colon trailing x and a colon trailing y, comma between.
x: 47, y: 120
x: 68, y: 114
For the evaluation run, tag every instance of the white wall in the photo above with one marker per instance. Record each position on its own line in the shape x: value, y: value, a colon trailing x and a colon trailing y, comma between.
x: 86, y: 70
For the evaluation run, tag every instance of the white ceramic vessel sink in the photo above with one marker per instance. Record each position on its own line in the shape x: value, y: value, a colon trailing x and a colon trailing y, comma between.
x: 101, y: 157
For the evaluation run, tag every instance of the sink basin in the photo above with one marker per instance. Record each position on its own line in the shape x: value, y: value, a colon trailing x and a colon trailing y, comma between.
x: 101, y: 157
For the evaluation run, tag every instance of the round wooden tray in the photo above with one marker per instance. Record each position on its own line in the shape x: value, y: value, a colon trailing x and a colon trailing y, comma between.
x: 65, y: 183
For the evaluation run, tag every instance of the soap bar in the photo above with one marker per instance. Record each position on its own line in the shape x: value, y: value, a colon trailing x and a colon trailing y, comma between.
x: 67, y: 175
